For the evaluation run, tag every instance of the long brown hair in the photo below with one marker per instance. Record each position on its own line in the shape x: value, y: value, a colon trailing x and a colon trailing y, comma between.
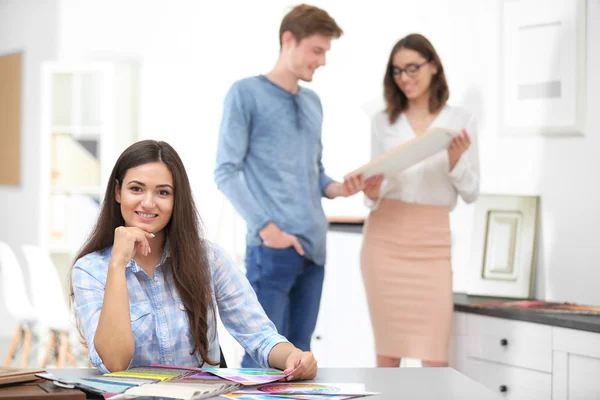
x: 188, y: 253
x: 305, y: 20
x: 395, y: 101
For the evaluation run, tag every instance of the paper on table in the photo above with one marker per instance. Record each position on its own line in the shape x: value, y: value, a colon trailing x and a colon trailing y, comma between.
x: 107, y: 387
x: 201, y: 377
x: 189, y: 391
x: 245, y: 376
x: 242, y: 396
x: 96, y: 385
x: 306, y: 388
x: 152, y: 372
x: 408, y: 154
x: 120, y: 380
x: 248, y: 376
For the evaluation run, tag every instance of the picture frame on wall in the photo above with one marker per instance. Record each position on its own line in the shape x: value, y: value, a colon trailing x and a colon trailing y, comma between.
x: 543, y: 67
x: 11, y: 74
x: 504, y: 246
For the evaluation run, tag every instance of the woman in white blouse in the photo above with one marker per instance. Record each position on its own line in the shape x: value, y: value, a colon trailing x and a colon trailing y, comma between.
x: 405, y: 258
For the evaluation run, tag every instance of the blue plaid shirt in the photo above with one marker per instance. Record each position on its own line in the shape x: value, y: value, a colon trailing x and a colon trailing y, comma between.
x: 160, y: 325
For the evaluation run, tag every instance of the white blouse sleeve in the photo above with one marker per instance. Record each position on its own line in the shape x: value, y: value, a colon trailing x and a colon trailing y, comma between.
x: 377, y: 149
x: 465, y: 174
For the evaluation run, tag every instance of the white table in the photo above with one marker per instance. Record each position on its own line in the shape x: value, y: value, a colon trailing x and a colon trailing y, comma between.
x: 392, y: 383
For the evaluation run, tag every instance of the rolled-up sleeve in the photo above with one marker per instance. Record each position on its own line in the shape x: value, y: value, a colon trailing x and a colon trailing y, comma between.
x: 377, y: 150
x: 239, y: 309
x: 88, y: 297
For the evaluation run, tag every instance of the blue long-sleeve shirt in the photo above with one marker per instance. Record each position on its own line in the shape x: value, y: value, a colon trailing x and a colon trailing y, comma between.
x: 269, y: 161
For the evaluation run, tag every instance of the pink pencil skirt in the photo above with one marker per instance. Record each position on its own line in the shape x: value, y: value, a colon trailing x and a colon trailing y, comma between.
x: 405, y: 263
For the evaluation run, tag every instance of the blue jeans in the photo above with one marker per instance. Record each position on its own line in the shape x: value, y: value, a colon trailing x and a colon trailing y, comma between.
x: 288, y: 287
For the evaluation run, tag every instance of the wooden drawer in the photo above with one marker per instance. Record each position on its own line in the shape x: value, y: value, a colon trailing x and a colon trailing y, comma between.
x: 512, y: 383
x: 516, y: 343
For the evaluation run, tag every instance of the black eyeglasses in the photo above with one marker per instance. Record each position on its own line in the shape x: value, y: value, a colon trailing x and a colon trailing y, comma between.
x: 411, y: 69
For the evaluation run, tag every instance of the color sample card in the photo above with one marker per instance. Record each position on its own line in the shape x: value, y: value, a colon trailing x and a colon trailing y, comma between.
x: 248, y: 376
x: 241, y: 396
x: 307, y: 388
x: 157, y: 373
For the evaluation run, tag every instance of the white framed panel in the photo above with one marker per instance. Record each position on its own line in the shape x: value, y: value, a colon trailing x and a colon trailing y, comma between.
x: 542, y: 70
x: 503, y: 246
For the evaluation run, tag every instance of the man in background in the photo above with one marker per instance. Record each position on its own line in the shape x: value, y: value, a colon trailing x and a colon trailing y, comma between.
x: 269, y: 167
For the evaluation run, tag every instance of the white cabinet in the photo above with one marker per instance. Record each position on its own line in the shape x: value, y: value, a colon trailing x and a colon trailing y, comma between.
x: 517, y: 343
x: 343, y: 336
x: 514, y: 382
x: 576, y: 367
x: 523, y: 360
x: 89, y: 116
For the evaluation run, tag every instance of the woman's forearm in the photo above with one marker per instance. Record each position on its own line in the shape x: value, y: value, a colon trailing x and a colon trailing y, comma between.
x: 280, y: 353
x: 114, y: 337
x: 296, y: 364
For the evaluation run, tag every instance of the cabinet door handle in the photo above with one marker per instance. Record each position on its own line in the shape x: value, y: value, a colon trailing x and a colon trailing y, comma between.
x: 503, y: 342
x: 318, y: 337
x: 503, y: 388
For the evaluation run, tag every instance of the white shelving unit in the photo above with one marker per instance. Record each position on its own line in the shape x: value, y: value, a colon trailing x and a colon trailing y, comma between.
x: 89, y: 116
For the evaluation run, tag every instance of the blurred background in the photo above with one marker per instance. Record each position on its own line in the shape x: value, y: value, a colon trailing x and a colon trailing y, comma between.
x: 92, y: 77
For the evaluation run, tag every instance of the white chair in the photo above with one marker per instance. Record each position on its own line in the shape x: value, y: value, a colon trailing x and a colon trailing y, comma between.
x: 49, y: 304
x: 17, y: 303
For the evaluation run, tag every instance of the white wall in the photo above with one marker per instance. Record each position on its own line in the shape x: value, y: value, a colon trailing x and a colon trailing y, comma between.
x: 563, y: 171
x: 191, y: 52
x: 29, y: 27
x: 569, y: 180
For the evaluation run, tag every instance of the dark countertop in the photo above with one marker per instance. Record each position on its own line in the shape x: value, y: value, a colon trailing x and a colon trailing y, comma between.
x: 465, y: 303
x: 353, y: 226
